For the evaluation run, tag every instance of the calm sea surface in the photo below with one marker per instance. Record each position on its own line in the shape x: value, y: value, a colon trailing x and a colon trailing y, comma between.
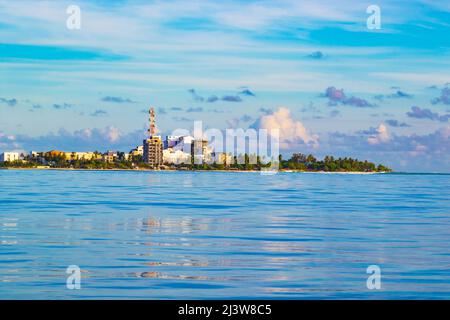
x: 213, y: 235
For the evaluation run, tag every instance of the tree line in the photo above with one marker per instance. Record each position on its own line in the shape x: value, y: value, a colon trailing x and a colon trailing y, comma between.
x: 297, y: 162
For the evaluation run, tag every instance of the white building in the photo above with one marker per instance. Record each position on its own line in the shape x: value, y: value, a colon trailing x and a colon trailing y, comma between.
x: 223, y: 158
x: 9, y: 156
x: 171, y: 141
x: 202, y: 152
x: 110, y: 156
x: 184, y: 144
x: 171, y: 156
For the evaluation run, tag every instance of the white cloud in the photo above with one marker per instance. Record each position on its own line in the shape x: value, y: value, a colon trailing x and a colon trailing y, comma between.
x: 292, y: 132
x: 380, y: 136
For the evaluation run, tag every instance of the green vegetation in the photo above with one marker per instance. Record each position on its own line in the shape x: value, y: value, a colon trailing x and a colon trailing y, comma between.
x: 302, y: 162
x: 297, y: 162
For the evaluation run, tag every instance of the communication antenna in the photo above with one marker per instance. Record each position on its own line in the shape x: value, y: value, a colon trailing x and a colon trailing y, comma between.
x: 152, y: 127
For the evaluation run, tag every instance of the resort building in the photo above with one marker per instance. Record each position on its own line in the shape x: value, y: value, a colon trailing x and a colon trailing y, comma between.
x: 110, y: 156
x: 9, y: 157
x: 171, y: 156
x: 87, y: 156
x: 223, y: 158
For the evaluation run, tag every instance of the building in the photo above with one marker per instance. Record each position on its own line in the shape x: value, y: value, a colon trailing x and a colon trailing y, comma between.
x: 110, y: 156
x: 153, y: 151
x: 171, y: 141
x: 223, y: 158
x: 171, y: 156
x: 87, y: 156
x: 138, y: 151
x: 184, y: 143
x: 9, y: 157
x: 177, y: 150
x: 153, y: 145
x: 201, y: 152
x: 55, y: 153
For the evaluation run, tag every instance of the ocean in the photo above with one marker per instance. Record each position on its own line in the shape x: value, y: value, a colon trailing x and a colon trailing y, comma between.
x: 219, y: 235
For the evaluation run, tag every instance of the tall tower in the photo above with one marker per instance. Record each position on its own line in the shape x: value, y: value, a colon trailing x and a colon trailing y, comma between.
x: 153, y: 147
x: 152, y: 127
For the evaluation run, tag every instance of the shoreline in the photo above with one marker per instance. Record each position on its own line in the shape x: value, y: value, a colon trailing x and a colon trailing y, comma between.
x: 175, y: 170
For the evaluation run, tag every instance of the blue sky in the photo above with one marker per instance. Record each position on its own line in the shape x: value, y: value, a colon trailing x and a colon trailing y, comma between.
x: 379, y: 95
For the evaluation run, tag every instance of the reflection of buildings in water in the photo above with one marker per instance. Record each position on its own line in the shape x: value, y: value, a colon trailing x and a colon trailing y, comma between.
x: 159, y: 275
x: 174, y: 226
x: 177, y: 264
x: 150, y: 224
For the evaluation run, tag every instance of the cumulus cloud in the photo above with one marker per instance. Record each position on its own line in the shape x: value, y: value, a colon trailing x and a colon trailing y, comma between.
x: 337, y: 96
x: 117, y: 99
x: 424, y: 113
x: 292, y: 133
x: 444, y: 98
x: 379, y: 135
x: 8, y: 142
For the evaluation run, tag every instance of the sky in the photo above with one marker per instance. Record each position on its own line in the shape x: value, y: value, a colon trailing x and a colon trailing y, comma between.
x: 313, y: 69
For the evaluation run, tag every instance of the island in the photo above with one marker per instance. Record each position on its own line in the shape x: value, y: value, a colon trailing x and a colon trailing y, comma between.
x: 298, y: 162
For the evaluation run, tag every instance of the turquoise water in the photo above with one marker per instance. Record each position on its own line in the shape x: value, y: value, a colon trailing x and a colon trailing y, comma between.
x: 190, y: 235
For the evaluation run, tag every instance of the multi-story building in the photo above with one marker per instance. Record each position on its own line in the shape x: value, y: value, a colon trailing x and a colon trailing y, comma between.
x: 184, y: 143
x: 88, y: 156
x: 110, y: 156
x: 153, y: 145
x: 201, y: 151
x: 171, y: 156
x: 9, y: 157
x: 153, y: 151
